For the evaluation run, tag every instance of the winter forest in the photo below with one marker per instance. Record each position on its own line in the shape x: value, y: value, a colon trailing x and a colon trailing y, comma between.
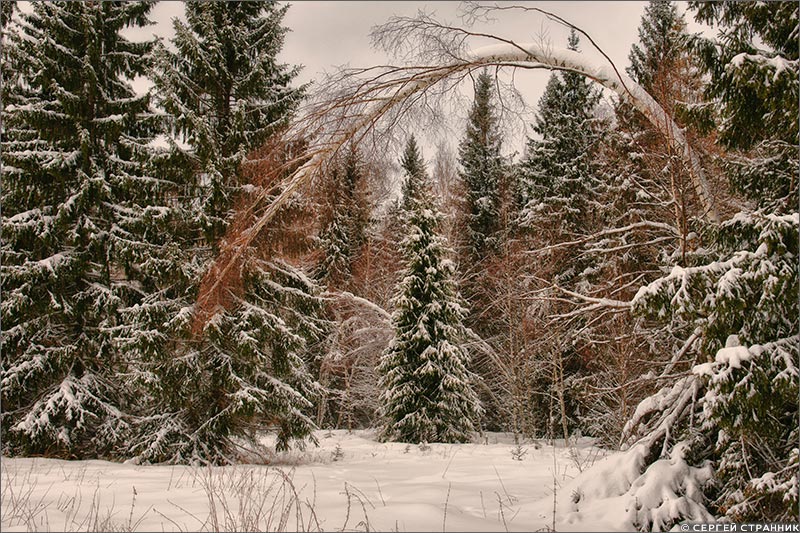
x: 233, y: 301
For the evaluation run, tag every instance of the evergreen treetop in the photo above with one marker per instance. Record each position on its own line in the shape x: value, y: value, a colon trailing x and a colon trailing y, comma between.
x: 225, y: 93
x: 414, y: 174
x: 557, y: 169
x: 662, y: 42
x: 482, y: 169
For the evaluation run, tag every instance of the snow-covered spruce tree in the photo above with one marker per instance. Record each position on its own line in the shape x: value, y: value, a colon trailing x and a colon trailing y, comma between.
x: 737, y: 304
x: 482, y: 169
x: 248, y: 367
x: 347, y: 369
x: 662, y: 45
x: 248, y: 370
x: 662, y: 63
x: 753, y: 85
x: 427, y: 388
x: 558, y: 184
x: 336, y: 264
x: 76, y: 204
x: 751, y: 96
x: 737, y: 413
x: 557, y: 170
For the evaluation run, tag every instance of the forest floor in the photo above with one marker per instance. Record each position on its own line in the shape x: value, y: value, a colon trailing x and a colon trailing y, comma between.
x: 350, y: 482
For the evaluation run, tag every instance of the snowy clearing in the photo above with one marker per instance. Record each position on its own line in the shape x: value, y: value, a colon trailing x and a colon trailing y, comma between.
x: 350, y: 482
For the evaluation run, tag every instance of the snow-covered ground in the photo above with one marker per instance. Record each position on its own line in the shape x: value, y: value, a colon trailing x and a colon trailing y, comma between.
x: 349, y: 482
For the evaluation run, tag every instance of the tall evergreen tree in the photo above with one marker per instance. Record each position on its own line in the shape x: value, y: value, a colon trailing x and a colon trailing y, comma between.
x: 482, y: 171
x: 646, y: 200
x: 644, y: 180
x: 485, y: 216
x: 558, y: 182
x: 558, y: 173
x: 427, y: 390
x: 75, y: 199
x: 345, y: 234
x: 225, y: 94
x: 662, y: 64
x: 354, y: 197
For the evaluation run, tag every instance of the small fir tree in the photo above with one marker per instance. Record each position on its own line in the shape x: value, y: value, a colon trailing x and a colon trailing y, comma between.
x: 427, y: 387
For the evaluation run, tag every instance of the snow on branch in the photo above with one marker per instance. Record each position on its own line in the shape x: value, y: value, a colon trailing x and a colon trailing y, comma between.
x: 345, y: 296
x: 590, y: 304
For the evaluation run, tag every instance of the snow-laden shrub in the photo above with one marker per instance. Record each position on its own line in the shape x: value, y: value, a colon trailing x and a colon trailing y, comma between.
x: 737, y: 411
x: 649, y: 495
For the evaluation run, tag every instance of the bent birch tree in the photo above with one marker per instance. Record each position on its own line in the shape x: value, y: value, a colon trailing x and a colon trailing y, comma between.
x: 361, y: 105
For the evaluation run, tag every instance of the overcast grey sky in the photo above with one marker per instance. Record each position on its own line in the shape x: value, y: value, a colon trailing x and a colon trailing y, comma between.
x: 325, y: 34
x: 332, y: 33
